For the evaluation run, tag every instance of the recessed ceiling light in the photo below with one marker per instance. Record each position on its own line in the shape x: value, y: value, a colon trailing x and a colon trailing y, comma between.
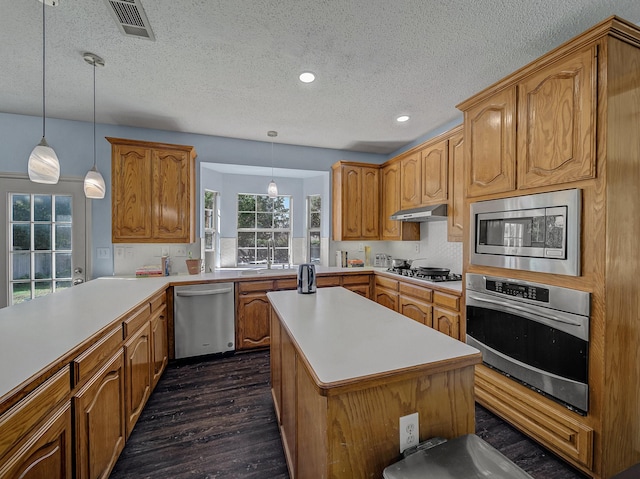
x: 402, y: 118
x: 307, y: 77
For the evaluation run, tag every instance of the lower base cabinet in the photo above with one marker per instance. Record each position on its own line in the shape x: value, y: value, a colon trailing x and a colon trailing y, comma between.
x: 45, y: 453
x: 99, y: 412
x: 137, y: 353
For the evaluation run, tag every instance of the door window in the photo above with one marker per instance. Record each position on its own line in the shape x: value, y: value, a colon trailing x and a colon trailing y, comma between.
x: 44, y: 238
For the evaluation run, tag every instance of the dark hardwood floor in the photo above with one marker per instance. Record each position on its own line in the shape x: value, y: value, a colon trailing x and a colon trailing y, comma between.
x: 214, y: 418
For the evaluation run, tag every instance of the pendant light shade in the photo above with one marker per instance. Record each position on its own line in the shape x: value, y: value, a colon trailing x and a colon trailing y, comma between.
x: 272, y: 189
x: 43, y: 166
x: 94, y: 186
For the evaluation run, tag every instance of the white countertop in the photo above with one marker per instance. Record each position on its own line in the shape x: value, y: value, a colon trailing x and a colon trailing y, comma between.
x: 345, y: 336
x: 37, y: 333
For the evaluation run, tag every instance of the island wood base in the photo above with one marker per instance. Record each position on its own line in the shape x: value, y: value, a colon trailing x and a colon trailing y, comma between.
x: 351, y: 429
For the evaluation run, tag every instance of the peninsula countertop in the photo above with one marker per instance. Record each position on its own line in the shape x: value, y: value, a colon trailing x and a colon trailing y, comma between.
x: 345, y: 337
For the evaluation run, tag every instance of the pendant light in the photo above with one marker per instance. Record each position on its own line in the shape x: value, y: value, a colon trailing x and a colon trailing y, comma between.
x: 44, y: 166
x: 94, y: 186
x: 272, y: 189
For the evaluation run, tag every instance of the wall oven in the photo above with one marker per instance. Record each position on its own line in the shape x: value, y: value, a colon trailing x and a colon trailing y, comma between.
x: 536, y: 334
x: 533, y: 232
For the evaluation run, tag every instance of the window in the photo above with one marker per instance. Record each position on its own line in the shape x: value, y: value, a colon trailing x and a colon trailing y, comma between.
x: 40, y: 245
x: 314, y: 211
x: 260, y: 219
x: 210, y: 219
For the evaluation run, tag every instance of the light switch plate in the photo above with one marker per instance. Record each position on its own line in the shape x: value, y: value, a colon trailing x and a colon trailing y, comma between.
x: 103, y: 253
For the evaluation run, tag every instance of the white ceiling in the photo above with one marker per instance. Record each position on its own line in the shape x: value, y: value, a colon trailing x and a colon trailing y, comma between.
x: 230, y: 67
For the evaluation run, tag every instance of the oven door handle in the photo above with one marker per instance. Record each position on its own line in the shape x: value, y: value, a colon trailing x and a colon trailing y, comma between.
x: 515, y: 307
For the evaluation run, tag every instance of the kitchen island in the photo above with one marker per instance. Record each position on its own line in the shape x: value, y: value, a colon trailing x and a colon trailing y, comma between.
x: 345, y: 369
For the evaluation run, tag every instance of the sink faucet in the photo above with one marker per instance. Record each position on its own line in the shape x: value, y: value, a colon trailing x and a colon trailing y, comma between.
x: 270, y: 250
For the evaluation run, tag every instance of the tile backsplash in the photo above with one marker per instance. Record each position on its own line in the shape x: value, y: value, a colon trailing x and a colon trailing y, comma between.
x: 128, y: 257
x: 432, y: 249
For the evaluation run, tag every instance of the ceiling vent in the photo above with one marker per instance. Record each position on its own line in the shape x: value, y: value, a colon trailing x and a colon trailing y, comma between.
x: 131, y: 19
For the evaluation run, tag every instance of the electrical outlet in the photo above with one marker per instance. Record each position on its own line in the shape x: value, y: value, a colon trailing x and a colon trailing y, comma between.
x: 416, y: 248
x: 360, y: 246
x: 409, y: 431
x: 180, y: 251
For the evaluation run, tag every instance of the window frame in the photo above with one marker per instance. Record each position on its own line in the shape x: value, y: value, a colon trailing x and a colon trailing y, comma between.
x: 256, y: 231
x: 311, y: 230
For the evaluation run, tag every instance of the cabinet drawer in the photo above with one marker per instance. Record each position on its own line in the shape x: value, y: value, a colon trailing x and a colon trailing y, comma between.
x: 84, y: 364
x: 416, y: 291
x: 355, y: 279
x: 17, y: 421
x: 286, y: 283
x: 157, y: 301
x: 136, y: 320
x: 252, y: 286
x: 327, y: 281
x: 388, y: 283
x: 560, y: 431
x: 447, y: 300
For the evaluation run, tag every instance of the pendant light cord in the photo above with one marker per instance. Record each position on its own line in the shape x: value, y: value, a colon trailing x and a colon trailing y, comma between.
x: 94, y: 115
x: 43, y: 67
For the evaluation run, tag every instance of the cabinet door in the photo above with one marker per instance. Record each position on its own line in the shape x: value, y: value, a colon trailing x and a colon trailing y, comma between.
x: 434, y: 173
x: 490, y: 136
x: 369, y: 203
x: 137, y: 352
x: 361, y: 289
x: 417, y: 310
x: 289, y: 399
x: 100, y: 420
x: 456, y: 192
x: 45, y: 453
x: 131, y: 193
x: 390, y: 201
x: 172, y: 198
x: 410, y: 181
x: 159, y: 345
x: 276, y: 364
x: 351, y: 202
x: 556, y: 122
x: 446, y: 322
x: 387, y: 298
x: 253, y: 318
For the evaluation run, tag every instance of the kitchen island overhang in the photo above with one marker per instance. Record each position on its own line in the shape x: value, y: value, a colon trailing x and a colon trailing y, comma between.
x: 345, y: 369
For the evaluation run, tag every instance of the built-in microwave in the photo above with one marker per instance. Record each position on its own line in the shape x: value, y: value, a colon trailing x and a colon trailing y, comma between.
x: 538, y: 232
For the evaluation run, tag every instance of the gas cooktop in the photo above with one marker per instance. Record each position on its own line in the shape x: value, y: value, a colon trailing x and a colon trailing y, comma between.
x: 430, y: 274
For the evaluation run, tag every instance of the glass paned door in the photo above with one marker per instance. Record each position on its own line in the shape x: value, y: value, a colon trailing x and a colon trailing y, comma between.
x: 45, y: 241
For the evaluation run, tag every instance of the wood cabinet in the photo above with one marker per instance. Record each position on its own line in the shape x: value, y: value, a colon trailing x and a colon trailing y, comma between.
x: 355, y: 201
x: 554, y: 110
x: 159, y: 343
x: 386, y: 292
x: 435, y: 172
x: 415, y: 303
x: 152, y: 191
x: 577, y: 109
x: 420, y: 302
x: 99, y: 416
x: 490, y: 137
x: 410, y: 185
x: 253, y: 311
x: 391, y: 230
x: 455, y: 214
x: 557, y: 122
x: 358, y: 283
x: 137, y: 353
x: 35, y: 434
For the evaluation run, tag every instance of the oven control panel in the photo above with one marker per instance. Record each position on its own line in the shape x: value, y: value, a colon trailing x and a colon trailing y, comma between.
x: 530, y: 292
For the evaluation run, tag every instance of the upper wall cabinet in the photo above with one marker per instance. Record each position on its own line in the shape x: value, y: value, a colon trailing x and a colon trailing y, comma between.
x: 434, y: 173
x: 390, y: 200
x: 554, y: 108
x: 410, y: 172
x: 355, y: 201
x: 152, y: 192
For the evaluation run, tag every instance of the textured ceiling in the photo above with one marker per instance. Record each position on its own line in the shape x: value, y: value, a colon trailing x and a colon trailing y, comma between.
x: 229, y: 68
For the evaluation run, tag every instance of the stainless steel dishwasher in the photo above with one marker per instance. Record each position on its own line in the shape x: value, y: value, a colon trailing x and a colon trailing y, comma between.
x: 204, y: 319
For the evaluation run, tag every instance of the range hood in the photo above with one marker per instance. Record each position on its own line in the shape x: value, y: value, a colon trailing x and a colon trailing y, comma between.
x: 425, y: 213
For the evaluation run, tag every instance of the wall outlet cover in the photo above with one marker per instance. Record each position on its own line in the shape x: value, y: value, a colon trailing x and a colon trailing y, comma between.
x: 409, y: 431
